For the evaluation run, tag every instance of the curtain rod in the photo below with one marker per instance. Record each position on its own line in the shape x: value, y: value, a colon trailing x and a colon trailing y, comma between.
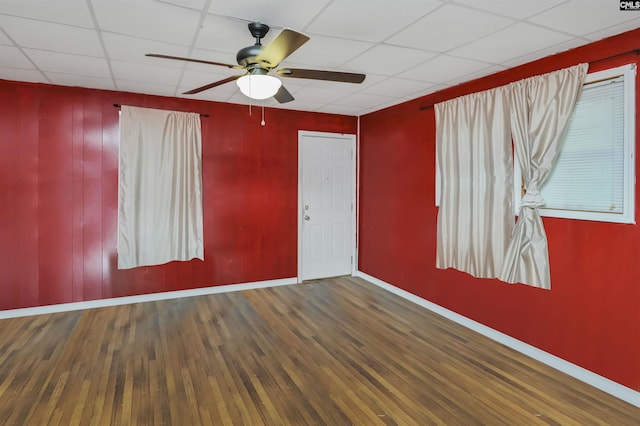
x: 201, y: 115
x: 636, y: 51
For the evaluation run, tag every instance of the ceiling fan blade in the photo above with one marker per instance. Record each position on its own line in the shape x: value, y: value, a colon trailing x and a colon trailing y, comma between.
x: 345, y: 77
x: 200, y: 61
x: 210, y: 85
x: 283, y: 95
x: 287, y: 42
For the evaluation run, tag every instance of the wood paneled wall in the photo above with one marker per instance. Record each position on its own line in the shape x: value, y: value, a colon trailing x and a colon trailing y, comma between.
x: 58, y: 195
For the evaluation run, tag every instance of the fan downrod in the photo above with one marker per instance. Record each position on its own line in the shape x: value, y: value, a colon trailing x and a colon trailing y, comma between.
x: 246, y: 56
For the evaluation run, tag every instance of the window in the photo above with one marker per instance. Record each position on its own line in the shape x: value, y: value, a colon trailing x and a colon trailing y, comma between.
x: 594, y: 176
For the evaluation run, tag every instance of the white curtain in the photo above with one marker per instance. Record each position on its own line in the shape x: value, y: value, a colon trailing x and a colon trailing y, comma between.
x: 160, y: 187
x: 476, y: 218
x: 540, y: 110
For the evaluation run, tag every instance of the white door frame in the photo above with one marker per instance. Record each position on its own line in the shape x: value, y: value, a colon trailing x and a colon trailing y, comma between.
x: 349, y: 138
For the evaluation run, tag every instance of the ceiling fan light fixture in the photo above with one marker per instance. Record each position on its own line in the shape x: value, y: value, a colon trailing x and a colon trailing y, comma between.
x: 259, y: 86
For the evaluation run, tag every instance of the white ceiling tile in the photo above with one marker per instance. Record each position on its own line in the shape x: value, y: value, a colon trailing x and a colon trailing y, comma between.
x: 586, y: 16
x: 238, y: 98
x: 509, y: 43
x: 70, y: 12
x: 391, y: 103
x: 399, y: 45
x: 4, y: 40
x: 145, y: 73
x: 421, y: 93
x: 48, y: 36
x: 328, y: 52
x: 370, y: 21
x: 363, y: 100
x: 331, y: 85
x: 384, y: 105
x: 191, y: 4
x: 397, y: 87
x: 519, y: 9
x: 193, y: 80
x: 434, y: 89
x: 145, y: 87
x: 21, y: 74
x: 370, y: 80
x: 148, y: 19
x: 294, y: 85
x: 256, y: 112
x: 69, y: 64
x: 133, y: 49
x: 12, y: 57
x: 272, y: 103
x: 616, y: 29
x: 205, y: 96
x: 80, y: 81
x: 299, y: 104
x: 209, y: 55
x: 551, y: 50
x: 294, y: 14
x: 474, y: 75
x: 226, y: 35
x: 443, y: 68
x: 449, y: 27
x: 296, y: 82
x: 321, y: 95
x: 219, y: 93
x: 389, y: 60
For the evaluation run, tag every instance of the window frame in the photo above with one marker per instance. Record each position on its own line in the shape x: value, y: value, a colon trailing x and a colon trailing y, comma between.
x: 628, y: 72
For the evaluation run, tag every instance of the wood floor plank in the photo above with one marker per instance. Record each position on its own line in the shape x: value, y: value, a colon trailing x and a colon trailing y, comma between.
x: 329, y: 352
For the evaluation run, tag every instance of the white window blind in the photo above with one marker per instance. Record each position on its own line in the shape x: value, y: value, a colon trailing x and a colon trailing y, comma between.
x: 589, y: 173
x: 594, y: 175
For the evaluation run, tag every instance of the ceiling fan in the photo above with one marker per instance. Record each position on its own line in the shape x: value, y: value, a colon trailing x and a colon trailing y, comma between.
x: 259, y: 60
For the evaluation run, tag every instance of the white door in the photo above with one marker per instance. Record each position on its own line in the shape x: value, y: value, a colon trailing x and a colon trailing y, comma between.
x: 326, y: 207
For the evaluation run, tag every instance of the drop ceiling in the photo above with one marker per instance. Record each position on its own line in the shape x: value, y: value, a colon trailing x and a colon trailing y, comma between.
x: 407, y: 48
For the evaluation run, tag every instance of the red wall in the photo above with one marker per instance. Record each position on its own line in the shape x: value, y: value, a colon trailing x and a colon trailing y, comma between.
x: 58, y: 195
x: 590, y: 317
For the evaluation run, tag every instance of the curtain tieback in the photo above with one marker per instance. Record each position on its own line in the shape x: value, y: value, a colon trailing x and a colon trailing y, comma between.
x: 532, y: 199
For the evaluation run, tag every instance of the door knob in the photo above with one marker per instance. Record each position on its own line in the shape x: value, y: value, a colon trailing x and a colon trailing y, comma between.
x: 306, y: 217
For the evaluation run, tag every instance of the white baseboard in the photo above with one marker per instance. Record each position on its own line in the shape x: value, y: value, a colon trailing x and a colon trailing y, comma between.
x: 90, y: 304
x: 609, y: 386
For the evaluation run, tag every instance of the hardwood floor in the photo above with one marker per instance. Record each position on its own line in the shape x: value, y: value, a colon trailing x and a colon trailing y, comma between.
x: 330, y: 352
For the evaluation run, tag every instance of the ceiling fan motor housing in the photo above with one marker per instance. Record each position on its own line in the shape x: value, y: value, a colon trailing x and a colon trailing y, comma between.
x: 247, y: 56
